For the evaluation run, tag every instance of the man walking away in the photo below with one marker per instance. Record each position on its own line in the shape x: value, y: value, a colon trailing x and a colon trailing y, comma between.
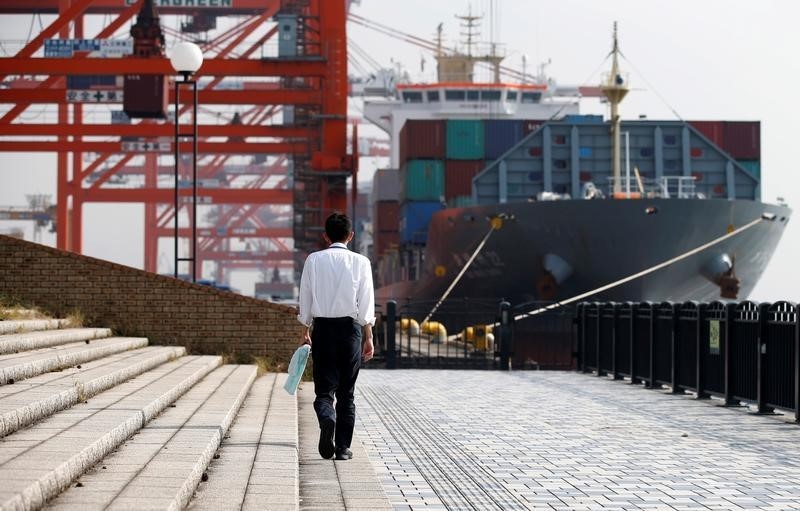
x: 336, y: 296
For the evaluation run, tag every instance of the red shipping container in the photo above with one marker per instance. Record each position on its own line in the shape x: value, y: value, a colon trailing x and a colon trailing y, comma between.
x: 422, y: 139
x: 742, y: 140
x: 146, y: 96
x: 712, y: 130
x: 386, y: 216
x: 458, y: 176
x: 383, y: 241
x: 530, y: 126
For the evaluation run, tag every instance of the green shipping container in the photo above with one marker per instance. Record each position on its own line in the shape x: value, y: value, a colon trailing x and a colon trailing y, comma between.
x: 460, y: 201
x: 422, y: 180
x: 465, y: 140
x: 751, y: 166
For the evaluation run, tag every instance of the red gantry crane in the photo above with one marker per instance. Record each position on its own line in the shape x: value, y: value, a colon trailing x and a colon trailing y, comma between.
x: 282, y: 155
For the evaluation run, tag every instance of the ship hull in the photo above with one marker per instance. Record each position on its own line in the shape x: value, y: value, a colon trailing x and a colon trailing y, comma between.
x: 559, y: 249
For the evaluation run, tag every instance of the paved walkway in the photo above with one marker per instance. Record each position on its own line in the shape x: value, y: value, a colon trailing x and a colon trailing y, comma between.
x: 328, y: 485
x: 559, y: 440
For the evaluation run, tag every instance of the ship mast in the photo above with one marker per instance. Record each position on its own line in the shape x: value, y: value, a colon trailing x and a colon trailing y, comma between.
x: 615, y: 89
x: 458, y: 66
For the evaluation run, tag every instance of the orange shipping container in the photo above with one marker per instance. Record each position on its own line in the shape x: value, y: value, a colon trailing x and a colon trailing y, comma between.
x: 422, y: 139
x: 383, y: 241
x: 458, y: 176
x: 712, y: 130
x: 386, y: 217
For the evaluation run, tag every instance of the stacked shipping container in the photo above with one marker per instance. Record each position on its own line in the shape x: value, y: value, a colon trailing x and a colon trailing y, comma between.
x: 742, y: 140
x: 438, y: 160
x: 385, y: 211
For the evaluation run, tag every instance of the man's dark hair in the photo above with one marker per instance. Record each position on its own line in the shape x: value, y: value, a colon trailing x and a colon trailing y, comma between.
x: 338, y: 227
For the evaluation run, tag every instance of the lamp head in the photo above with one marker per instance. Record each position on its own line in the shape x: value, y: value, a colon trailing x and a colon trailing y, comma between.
x: 186, y: 58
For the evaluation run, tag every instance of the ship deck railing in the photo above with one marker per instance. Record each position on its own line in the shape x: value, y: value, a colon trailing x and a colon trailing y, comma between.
x: 666, y: 187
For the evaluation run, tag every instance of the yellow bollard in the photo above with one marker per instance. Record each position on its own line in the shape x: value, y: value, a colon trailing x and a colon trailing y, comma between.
x: 436, y: 330
x: 409, y: 326
x: 468, y: 335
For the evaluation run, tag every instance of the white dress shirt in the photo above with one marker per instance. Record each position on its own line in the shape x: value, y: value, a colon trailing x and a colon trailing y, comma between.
x: 337, y: 283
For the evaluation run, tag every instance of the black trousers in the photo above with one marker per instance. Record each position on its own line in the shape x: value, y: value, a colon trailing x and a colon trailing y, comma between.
x: 336, y: 352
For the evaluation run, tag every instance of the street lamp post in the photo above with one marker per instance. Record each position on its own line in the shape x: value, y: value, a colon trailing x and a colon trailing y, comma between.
x: 186, y: 58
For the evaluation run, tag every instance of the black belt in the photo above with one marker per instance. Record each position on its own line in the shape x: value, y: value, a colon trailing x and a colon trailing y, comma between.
x: 346, y: 319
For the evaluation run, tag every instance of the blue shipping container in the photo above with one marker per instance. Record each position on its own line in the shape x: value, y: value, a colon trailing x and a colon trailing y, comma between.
x: 584, y: 119
x: 500, y: 136
x: 465, y: 140
x: 84, y: 82
x: 414, y: 220
x: 422, y: 180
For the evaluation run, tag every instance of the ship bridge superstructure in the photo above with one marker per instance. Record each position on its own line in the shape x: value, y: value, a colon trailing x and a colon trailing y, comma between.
x: 571, y: 158
x: 465, y: 100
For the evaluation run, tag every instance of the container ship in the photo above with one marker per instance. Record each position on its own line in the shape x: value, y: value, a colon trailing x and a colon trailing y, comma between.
x: 577, y: 201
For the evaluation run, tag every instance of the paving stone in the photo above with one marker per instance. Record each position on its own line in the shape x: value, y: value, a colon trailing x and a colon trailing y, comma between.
x: 492, y: 440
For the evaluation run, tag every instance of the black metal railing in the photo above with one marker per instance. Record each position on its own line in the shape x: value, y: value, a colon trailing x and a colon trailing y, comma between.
x: 463, y: 333
x: 474, y: 334
x: 740, y: 352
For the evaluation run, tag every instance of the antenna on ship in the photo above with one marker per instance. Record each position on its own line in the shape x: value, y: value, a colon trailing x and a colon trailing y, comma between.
x: 615, y: 88
x: 458, y: 66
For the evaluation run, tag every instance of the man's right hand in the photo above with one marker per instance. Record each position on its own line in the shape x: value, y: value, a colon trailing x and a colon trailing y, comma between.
x: 306, y: 338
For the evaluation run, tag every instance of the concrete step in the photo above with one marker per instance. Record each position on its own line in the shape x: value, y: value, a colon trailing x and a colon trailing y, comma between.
x: 333, y: 485
x: 33, y: 399
x: 20, y: 313
x: 159, y: 467
x: 39, y: 462
x: 31, y: 325
x: 18, y: 366
x: 257, y: 465
x: 14, y: 343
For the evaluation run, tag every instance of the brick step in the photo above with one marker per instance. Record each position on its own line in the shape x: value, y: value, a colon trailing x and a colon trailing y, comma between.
x: 39, y: 462
x: 160, y: 466
x: 31, y: 325
x: 33, y: 399
x: 14, y: 343
x: 16, y: 367
x: 257, y: 466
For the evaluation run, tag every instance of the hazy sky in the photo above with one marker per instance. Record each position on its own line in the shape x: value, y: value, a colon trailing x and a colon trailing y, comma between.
x: 710, y: 59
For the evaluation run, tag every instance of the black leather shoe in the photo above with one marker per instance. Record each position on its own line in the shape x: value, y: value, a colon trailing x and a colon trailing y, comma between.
x: 326, y: 447
x: 344, y: 454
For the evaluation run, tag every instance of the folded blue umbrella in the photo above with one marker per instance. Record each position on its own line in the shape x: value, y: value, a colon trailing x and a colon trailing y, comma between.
x: 296, y: 368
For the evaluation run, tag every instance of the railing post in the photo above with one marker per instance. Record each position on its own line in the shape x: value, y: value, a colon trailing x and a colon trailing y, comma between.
x: 797, y: 363
x: 505, y: 335
x: 761, y: 392
x: 674, y: 353
x: 598, y: 307
x: 730, y: 317
x: 582, y: 357
x: 700, y: 344
x: 634, y: 335
x: 614, y: 333
x: 651, y: 384
x: 391, y: 331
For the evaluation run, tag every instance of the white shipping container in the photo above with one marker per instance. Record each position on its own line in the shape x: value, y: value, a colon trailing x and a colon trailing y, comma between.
x: 385, y: 185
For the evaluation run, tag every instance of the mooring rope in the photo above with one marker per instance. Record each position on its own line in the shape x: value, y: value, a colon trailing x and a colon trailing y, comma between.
x: 641, y: 273
x: 460, y: 274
